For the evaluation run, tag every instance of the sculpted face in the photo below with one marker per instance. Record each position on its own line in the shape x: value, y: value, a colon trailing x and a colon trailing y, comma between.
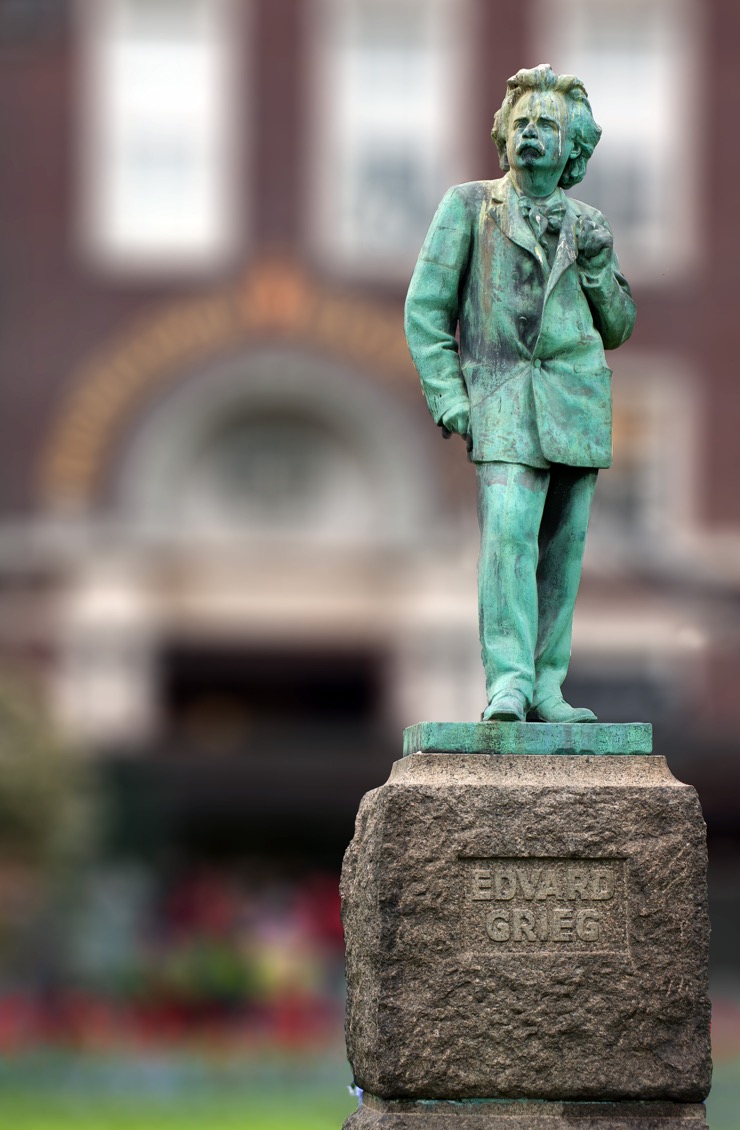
x: 538, y: 141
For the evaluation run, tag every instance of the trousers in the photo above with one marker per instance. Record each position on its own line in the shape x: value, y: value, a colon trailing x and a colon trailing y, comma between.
x: 533, y: 525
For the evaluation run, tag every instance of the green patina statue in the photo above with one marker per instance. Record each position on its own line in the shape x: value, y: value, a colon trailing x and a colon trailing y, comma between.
x: 530, y: 278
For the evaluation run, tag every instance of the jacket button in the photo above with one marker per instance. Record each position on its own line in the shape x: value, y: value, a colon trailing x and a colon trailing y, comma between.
x: 522, y: 319
x: 538, y: 364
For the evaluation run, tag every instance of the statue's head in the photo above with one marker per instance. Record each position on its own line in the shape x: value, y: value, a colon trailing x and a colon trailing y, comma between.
x: 566, y: 93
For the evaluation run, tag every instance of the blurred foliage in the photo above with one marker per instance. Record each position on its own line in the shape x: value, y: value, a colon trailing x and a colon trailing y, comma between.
x: 204, y: 969
x: 46, y: 827
x: 45, y: 799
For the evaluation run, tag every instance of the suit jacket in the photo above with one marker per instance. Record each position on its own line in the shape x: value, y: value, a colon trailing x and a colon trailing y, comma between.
x: 530, y: 359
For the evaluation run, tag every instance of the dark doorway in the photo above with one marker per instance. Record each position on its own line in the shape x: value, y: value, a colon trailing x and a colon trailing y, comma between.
x: 261, y: 750
x: 208, y: 691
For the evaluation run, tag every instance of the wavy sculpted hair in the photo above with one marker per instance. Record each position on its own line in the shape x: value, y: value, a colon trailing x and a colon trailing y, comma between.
x: 584, y: 132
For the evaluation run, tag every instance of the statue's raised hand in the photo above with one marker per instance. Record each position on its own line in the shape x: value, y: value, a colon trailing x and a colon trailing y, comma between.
x: 595, y: 244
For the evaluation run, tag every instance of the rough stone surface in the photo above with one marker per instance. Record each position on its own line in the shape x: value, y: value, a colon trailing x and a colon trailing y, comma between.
x: 523, y: 1115
x: 528, y: 927
x: 527, y: 738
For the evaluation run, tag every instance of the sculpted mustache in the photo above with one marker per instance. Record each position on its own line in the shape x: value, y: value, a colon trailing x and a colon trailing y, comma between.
x: 530, y: 143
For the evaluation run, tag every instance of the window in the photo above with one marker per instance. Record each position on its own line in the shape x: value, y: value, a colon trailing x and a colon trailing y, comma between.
x: 274, y: 473
x: 637, y: 59
x: 388, y: 112
x: 158, y: 132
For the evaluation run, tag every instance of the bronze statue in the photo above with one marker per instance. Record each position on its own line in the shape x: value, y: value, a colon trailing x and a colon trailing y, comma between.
x: 530, y: 279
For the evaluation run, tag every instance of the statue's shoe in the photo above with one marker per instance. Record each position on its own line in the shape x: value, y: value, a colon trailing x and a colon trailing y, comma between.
x: 505, y: 707
x: 556, y: 709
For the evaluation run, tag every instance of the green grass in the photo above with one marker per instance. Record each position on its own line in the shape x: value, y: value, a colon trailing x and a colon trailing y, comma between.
x: 723, y: 1105
x: 52, y: 1091
x: 27, y: 1113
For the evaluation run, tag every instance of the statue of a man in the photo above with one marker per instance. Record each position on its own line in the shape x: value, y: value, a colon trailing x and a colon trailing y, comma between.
x: 530, y: 279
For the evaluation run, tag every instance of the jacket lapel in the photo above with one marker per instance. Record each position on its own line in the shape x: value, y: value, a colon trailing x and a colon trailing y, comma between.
x: 566, y: 252
x: 504, y: 209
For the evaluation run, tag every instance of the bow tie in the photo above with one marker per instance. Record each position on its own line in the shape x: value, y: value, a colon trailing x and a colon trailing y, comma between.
x: 543, y: 217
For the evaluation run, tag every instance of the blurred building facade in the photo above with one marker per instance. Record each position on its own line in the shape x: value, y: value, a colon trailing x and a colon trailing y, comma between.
x: 233, y: 547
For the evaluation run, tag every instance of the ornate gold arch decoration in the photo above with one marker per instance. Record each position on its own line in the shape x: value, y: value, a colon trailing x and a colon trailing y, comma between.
x: 276, y: 301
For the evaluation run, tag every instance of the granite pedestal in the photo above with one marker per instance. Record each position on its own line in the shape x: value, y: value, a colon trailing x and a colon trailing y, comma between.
x: 528, y: 928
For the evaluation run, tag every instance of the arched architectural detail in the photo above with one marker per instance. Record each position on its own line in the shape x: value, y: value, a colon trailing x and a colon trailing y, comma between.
x: 276, y: 443
x: 276, y: 302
